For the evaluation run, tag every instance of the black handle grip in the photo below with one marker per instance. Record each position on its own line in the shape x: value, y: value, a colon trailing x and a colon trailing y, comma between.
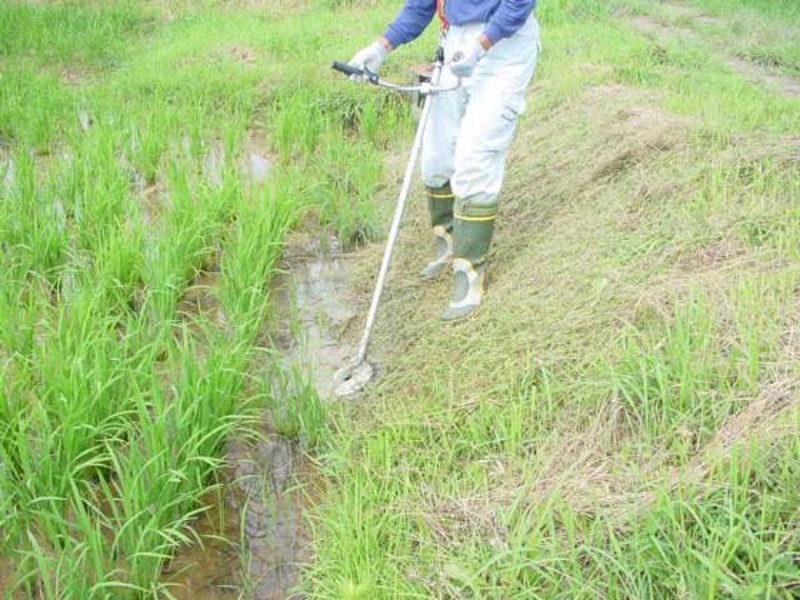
x: 347, y: 69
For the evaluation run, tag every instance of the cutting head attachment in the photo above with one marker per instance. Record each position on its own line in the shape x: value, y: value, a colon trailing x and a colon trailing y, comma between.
x: 353, y: 378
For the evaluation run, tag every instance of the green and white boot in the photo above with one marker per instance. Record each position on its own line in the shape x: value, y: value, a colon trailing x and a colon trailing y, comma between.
x: 469, y: 288
x: 444, y: 253
x: 440, y: 208
x: 472, y: 237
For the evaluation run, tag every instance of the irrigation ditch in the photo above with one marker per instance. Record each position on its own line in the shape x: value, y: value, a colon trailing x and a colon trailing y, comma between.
x: 255, y: 536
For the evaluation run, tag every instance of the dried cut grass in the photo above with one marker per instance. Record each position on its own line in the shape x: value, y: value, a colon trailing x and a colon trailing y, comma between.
x: 579, y: 467
x: 610, y: 133
x: 584, y: 473
x: 582, y: 179
x: 451, y: 520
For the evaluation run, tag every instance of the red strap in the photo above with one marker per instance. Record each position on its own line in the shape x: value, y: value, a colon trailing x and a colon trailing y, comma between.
x: 440, y: 12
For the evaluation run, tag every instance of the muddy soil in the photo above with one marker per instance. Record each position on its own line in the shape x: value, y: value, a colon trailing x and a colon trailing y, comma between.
x: 256, y: 539
x: 6, y: 570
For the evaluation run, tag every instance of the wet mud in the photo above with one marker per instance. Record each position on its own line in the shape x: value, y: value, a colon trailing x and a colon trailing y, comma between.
x: 255, y: 535
x: 254, y: 538
x: 254, y: 164
x: 316, y: 310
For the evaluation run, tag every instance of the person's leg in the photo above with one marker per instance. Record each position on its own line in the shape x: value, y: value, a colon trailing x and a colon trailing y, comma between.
x: 438, y: 164
x: 496, y: 96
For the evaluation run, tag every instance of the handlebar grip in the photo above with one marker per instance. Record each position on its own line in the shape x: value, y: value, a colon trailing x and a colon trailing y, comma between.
x: 349, y: 70
x: 346, y: 69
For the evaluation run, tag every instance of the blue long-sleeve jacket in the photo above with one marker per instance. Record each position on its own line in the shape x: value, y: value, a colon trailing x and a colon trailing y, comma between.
x: 502, y: 17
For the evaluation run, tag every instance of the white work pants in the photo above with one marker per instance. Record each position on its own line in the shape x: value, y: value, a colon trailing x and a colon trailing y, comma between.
x: 470, y: 130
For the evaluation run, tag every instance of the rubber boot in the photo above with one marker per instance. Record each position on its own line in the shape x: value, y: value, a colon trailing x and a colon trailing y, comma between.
x: 472, y: 237
x: 440, y: 208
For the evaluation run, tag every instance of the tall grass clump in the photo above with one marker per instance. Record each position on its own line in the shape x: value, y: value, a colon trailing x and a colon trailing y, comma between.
x: 679, y: 379
x: 332, y: 139
x: 115, y: 410
x: 34, y: 109
x: 33, y: 234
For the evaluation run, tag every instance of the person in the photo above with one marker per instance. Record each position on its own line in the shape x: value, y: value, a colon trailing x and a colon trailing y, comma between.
x: 492, y: 46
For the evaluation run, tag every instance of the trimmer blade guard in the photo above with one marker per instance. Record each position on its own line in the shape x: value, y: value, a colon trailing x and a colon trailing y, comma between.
x: 353, y: 378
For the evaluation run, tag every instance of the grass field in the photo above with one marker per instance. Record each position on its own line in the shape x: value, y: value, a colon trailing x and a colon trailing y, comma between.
x: 125, y: 131
x: 619, y: 421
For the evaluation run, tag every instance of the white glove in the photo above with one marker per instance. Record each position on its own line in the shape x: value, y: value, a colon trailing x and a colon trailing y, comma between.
x: 370, y: 58
x: 465, y: 57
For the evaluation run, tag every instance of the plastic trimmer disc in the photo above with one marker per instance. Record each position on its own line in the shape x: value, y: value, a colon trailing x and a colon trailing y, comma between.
x: 351, y: 379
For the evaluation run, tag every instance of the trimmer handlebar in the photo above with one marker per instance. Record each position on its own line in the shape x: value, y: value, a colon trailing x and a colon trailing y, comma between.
x: 351, y: 71
x: 370, y: 77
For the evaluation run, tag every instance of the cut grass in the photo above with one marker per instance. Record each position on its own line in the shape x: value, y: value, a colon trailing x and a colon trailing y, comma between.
x: 620, y: 420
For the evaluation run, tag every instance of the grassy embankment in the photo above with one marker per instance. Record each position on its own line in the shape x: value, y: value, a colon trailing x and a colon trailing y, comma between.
x: 136, y: 256
x: 621, y: 419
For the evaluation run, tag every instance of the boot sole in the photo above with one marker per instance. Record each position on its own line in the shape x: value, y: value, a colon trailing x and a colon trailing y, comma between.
x: 460, y: 317
x: 433, y: 274
x: 467, y: 315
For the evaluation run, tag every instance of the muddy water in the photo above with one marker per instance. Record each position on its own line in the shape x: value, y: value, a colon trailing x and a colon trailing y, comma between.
x: 253, y: 164
x: 315, y: 292
x: 269, y: 483
x: 257, y: 164
x: 255, y: 539
x: 8, y: 172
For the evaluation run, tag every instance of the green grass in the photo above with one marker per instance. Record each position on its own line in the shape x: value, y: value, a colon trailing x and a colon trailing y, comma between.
x: 70, y: 30
x: 618, y: 422
x: 124, y: 133
x: 761, y: 32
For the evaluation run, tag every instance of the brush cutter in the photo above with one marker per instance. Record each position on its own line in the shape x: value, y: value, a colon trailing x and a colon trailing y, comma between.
x: 352, y: 378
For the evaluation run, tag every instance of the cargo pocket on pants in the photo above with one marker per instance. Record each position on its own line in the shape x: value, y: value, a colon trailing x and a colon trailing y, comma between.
x: 502, y: 132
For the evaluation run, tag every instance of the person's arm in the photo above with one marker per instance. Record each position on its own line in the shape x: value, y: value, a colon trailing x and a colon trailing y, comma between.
x: 507, y: 19
x: 410, y: 22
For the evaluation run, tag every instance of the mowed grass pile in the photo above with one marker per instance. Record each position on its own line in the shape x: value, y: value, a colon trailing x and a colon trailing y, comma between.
x: 621, y: 419
x: 136, y: 256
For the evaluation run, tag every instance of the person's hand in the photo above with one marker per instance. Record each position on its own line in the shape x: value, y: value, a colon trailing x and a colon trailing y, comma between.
x: 370, y: 58
x: 465, y: 57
